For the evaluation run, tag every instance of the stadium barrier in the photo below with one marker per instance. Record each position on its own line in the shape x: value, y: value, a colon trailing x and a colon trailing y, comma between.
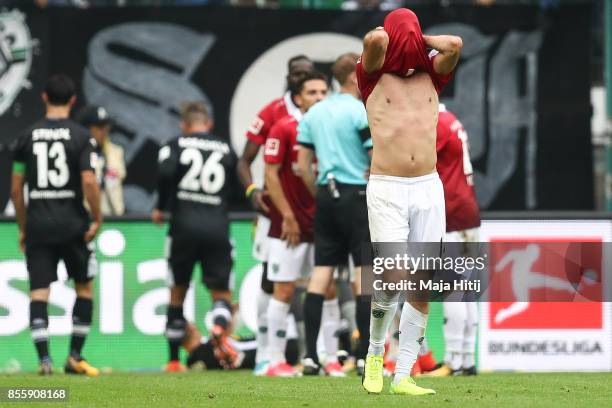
x: 131, y: 297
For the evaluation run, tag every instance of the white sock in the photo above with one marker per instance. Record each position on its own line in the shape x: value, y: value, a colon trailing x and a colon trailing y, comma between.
x: 424, y: 348
x: 277, y: 330
x: 412, y: 334
x: 347, y: 312
x: 262, y: 327
x: 330, y: 323
x: 381, y: 315
x: 469, y: 337
x: 455, y: 315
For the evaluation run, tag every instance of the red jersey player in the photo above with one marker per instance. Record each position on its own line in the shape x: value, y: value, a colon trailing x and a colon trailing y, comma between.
x: 455, y: 170
x: 462, y: 222
x: 407, y: 52
x: 256, y: 137
x: 291, y: 251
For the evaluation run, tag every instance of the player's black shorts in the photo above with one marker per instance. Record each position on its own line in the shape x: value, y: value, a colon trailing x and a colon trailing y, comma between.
x: 42, y: 261
x: 215, y: 257
x: 340, y: 225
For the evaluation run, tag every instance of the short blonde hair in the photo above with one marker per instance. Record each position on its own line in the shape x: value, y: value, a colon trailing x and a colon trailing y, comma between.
x: 344, y: 66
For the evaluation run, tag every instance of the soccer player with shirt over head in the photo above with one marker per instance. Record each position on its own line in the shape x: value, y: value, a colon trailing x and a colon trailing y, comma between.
x: 56, y: 158
x: 399, y: 82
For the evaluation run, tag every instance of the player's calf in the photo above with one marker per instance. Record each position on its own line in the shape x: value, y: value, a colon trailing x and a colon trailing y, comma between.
x: 175, y: 331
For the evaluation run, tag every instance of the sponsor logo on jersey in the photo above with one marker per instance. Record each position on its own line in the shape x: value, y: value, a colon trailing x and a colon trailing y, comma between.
x: 256, y: 126
x: 272, y: 146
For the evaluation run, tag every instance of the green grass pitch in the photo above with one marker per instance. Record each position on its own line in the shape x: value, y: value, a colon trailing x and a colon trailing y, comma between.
x: 241, y: 389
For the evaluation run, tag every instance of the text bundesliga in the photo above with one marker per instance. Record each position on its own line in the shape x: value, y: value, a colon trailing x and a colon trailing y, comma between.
x: 428, y: 285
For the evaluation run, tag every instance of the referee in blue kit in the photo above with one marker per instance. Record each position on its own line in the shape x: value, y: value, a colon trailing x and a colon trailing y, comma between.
x: 336, y: 131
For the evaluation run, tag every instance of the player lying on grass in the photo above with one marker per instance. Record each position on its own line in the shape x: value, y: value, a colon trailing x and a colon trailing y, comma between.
x: 399, y: 82
x: 232, y: 353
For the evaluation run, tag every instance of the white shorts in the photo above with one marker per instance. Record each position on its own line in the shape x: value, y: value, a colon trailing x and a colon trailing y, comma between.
x: 406, y: 209
x: 261, y: 240
x: 289, y: 264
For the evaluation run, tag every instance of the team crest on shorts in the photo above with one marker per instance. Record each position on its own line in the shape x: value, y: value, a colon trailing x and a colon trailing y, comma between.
x: 15, y: 57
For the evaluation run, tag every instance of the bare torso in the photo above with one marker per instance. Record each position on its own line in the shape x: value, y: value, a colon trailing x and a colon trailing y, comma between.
x: 403, y: 115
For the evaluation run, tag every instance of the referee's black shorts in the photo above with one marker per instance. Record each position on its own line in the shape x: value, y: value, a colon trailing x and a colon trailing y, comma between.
x: 341, y: 225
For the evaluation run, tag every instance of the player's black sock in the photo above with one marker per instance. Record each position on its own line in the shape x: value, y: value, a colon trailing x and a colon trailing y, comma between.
x: 175, y: 330
x: 81, y: 323
x: 344, y: 341
x: 292, y: 352
x: 362, y: 316
x: 221, y: 313
x: 313, y: 309
x: 39, y: 322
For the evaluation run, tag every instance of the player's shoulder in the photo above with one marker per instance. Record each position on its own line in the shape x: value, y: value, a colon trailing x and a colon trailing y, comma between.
x: 286, y: 122
x: 78, y: 133
x: 444, y: 115
x: 274, y: 106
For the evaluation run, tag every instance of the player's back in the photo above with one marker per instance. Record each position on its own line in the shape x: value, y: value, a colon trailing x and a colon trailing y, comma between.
x: 54, y: 152
x: 205, y: 163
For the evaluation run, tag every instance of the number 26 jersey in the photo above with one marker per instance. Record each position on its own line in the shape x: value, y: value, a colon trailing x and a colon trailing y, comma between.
x: 193, y: 184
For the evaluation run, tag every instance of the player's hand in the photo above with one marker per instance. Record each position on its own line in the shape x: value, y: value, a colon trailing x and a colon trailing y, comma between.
x: 22, y: 241
x: 92, y: 231
x: 290, y: 231
x: 157, y: 216
x: 258, y: 203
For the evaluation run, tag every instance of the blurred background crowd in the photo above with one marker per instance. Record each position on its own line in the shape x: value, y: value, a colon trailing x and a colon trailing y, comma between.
x: 323, y: 4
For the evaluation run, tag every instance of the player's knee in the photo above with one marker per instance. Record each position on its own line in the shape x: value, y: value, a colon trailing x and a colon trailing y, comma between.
x: 84, y: 290
x: 283, y: 291
x: 320, y: 280
x: 422, y: 307
x: 39, y: 295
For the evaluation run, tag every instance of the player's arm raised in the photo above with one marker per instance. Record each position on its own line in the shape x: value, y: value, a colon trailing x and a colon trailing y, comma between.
x: 375, y: 45
x: 449, y: 48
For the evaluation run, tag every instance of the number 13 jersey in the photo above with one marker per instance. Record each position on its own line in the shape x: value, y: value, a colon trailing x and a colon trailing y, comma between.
x: 53, y: 153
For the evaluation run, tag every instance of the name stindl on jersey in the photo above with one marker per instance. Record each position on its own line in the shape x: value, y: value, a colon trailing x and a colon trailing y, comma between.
x: 206, y: 174
x: 52, y: 171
